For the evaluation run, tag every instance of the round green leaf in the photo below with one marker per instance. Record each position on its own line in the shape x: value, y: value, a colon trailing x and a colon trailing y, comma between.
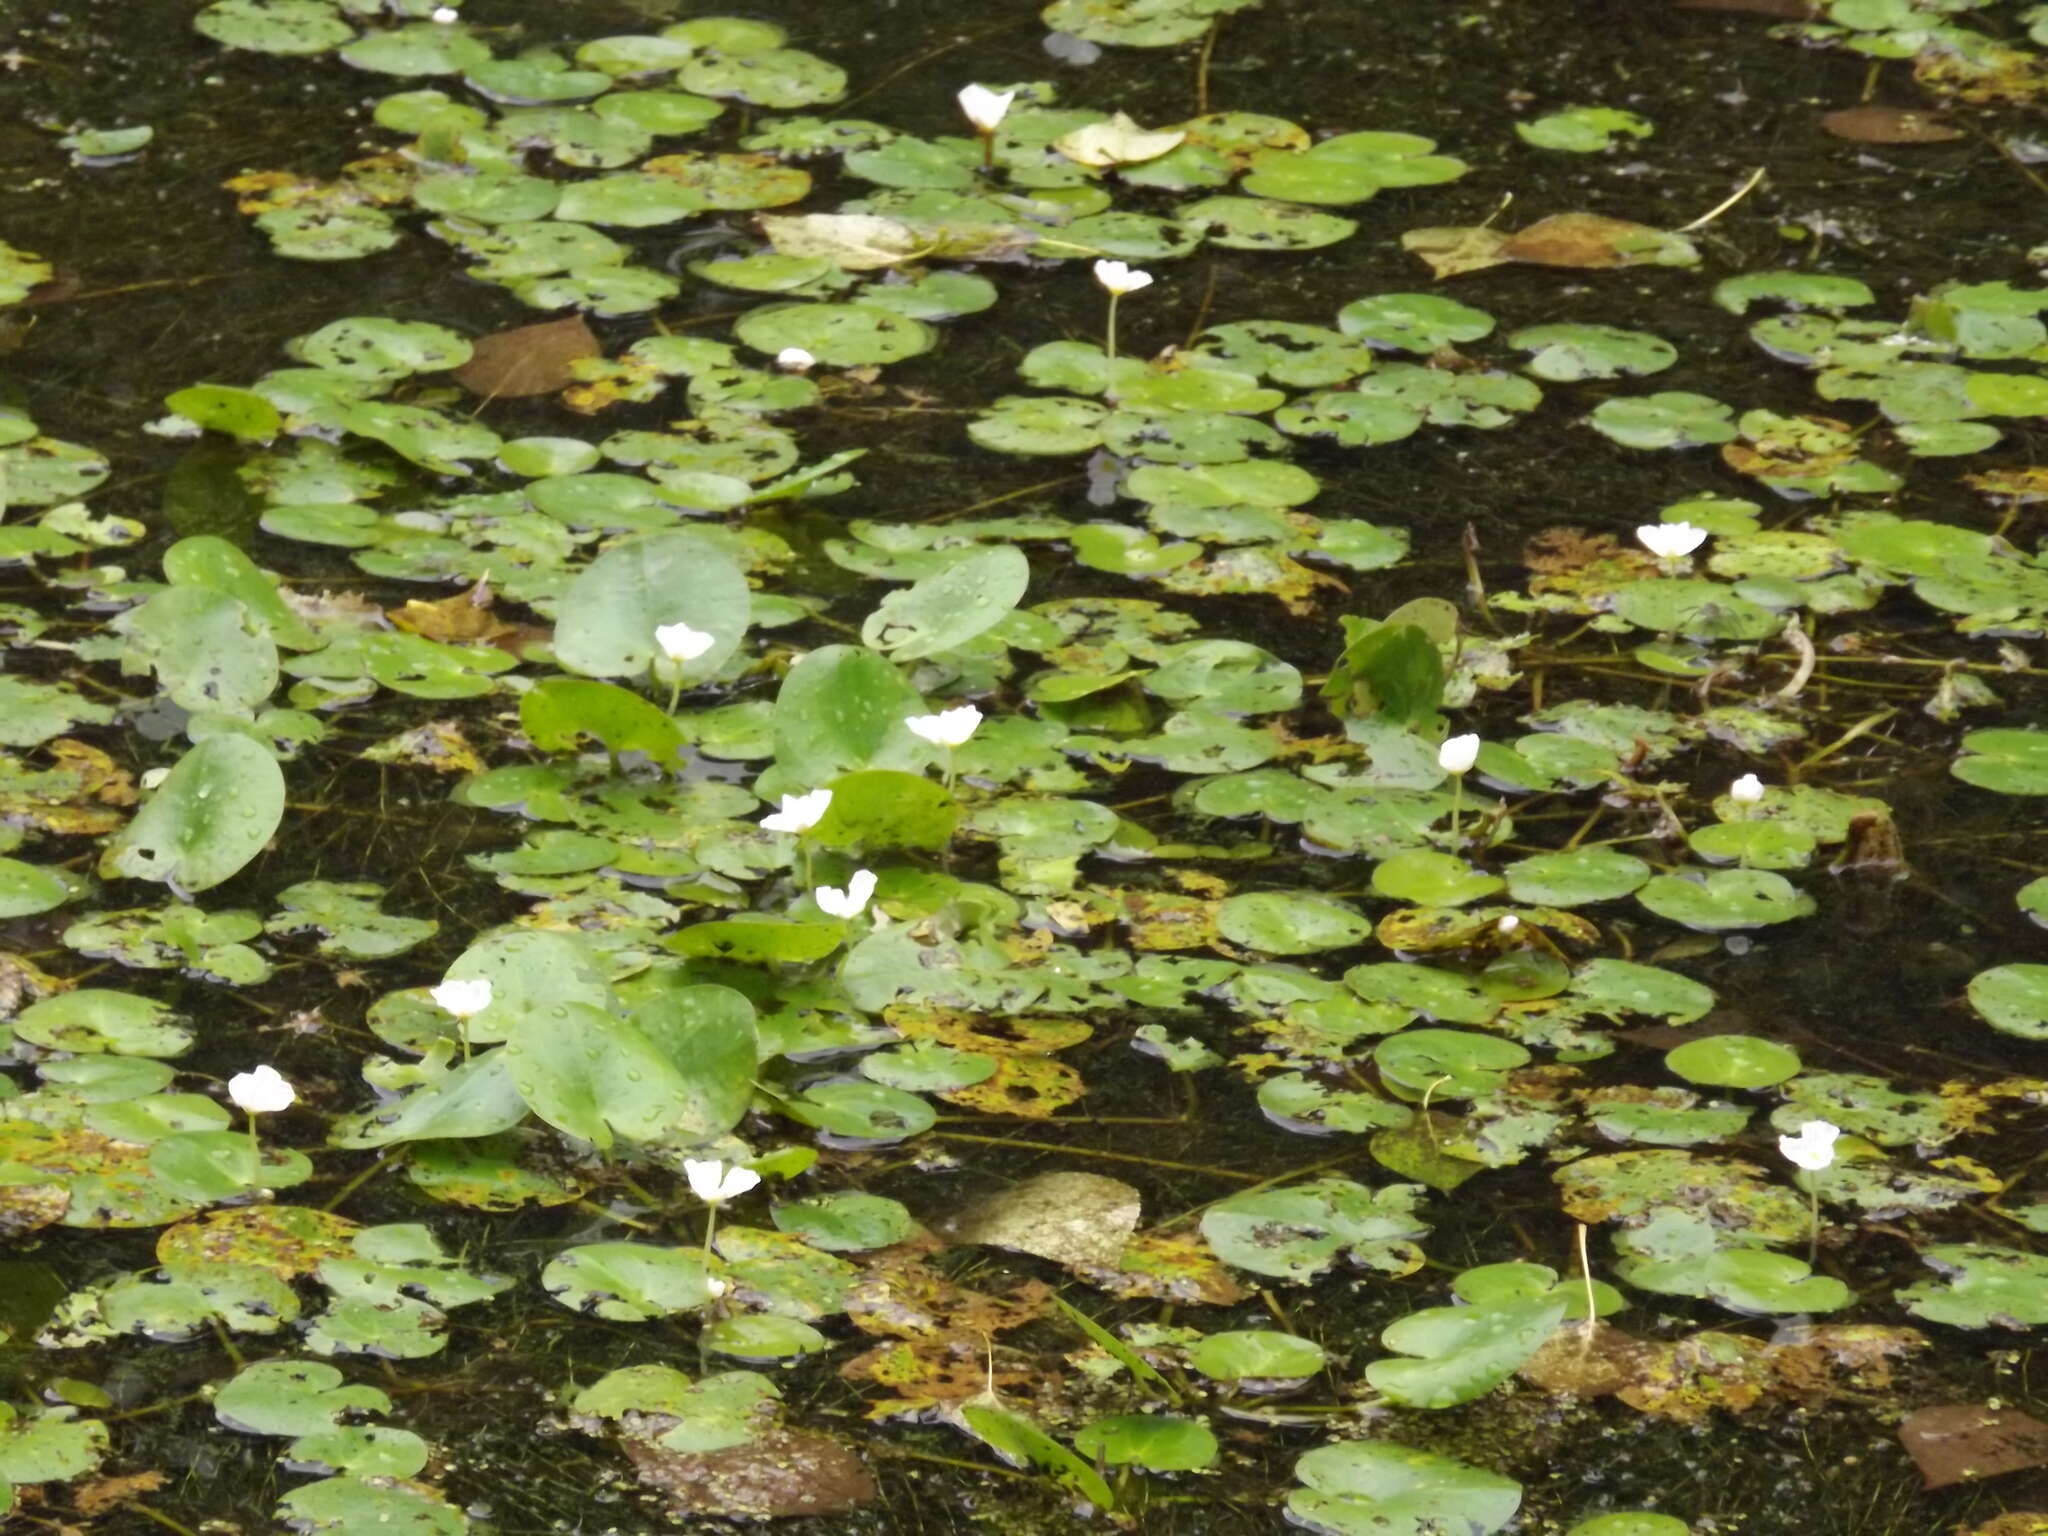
x: 837, y: 335
x: 1733, y: 1061
x: 212, y: 815
x: 609, y: 613
x: 2010, y: 998
x: 628, y: 1282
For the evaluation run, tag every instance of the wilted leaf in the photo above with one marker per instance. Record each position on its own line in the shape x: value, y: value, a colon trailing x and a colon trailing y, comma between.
x: 1119, y: 141
x: 1961, y: 1442
x: 1888, y: 125
x: 1070, y: 1218
x: 858, y: 242
x: 1593, y: 240
x: 528, y: 359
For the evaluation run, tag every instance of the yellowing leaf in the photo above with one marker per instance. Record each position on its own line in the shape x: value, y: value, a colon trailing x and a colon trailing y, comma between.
x: 1119, y: 141
x: 858, y: 242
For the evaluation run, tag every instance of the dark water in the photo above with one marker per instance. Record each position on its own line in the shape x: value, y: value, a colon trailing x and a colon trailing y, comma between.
x: 174, y: 287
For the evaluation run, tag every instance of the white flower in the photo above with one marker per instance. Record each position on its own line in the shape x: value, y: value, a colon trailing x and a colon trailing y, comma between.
x: 153, y: 777
x: 1671, y: 541
x: 1814, y: 1147
x: 262, y: 1092
x: 714, y: 1183
x: 1120, y: 278
x: 985, y: 108
x: 1458, y: 754
x: 1508, y: 924
x: 799, y: 813
x: 715, y: 1287
x: 446, y: 15
x: 464, y: 999
x: 1747, y: 790
x: 795, y: 360
x: 948, y: 728
x: 679, y: 642
x: 850, y: 902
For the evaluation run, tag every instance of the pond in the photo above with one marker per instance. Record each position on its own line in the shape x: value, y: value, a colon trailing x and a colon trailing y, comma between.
x: 1178, y: 765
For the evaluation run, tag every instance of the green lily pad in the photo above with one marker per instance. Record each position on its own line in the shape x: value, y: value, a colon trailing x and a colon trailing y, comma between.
x: 1430, y: 878
x: 628, y: 1282
x: 1290, y: 923
x: 1982, y: 1286
x: 1583, y: 130
x: 609, y: 613
x: 1733, y: 1061
x: 92, y: 1019
x: 1297, y: 1232
x: 1376, y: 1488
x: 288, y: 27
x: 212, y: 815
x: 1157, y: 1442
x: 1575, y: 878
x: 2013, y: 999
x: 2012, y: 762
x: 837, y: 335
x: 292, y: 1398
x: 1256, y: 1354
x: 1566, y: 354
x: 1717, y: 901
x: 1465, y: 1352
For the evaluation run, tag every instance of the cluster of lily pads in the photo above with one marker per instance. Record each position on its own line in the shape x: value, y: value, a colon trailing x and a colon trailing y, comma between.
x: 803, y: 884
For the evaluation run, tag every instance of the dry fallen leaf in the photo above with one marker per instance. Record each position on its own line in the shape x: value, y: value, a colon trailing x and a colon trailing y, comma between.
x: 1889, y: 125
x: 528, y: 359
x: 1594, y: 240
x: 1583, y: 240
x: 2026, y: 484
x: 858, y: 242
x: 1452, y: 250
x: 104, y: 1493
x: 1961, y: 1442
x: 780, y: 1473
x: 1119, y: 141
x: 1069, y: 1217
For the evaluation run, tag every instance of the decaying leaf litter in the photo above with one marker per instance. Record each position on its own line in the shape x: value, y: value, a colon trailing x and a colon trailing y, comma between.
x: 1546, y: 1005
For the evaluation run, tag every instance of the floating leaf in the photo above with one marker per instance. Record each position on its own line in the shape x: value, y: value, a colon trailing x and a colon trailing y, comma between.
x: 212, y: 815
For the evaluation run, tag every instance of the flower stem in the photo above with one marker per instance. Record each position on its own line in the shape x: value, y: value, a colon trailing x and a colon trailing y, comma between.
x: 988, y: 151
x: 1457, y: 805
x: 1110, y: 341
x: 949, y: 770
x: 710, y: 1227
x: 1813, y: 1236
x: 255, y: 1149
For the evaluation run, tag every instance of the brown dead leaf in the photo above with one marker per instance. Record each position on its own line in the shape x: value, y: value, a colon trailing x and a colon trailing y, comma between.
x: 1031, y: 1087
x: 1156, y: 1267
x: 2017, y: 1524
x: 453, y: 620
x: 1889, y: 125
x: 1452, y: 250
x: 1070, y: 1217
x: 899, y: 1296
x: 104, y: 1493
x: 528, y: 359
x: 2024, y: 485
x: 1599, y: 1366
x: 1989, y: 72
x: 925, y: 1371
x: 1961, y: 1442
x: 782, y: 1472
x: 438, y: 745
x: 1592, y: 240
